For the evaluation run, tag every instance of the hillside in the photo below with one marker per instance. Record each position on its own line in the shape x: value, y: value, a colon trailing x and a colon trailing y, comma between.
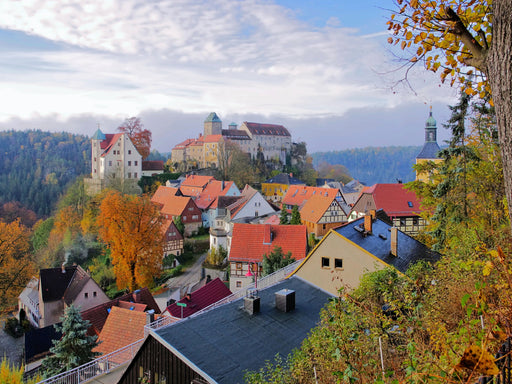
x: 37, y: 166
x: 373, y: 164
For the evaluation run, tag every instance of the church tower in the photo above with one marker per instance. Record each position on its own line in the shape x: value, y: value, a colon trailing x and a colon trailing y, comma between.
x: 430, y: 148
x: 96, y: 151
x: 212, y: 125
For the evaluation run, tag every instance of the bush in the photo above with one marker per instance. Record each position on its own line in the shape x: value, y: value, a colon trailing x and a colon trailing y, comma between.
x: 13, y: 327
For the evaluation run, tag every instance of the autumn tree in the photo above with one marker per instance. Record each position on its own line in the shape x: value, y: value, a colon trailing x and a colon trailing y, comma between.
x: 140, y: 137
x: 16, y: 262
x: 468, y: 42
x: 130, y: 225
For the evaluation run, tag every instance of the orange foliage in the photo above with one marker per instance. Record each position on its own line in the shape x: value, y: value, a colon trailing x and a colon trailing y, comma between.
x: 131, y: 227
x: 15, y: 260
x: 140, y: 137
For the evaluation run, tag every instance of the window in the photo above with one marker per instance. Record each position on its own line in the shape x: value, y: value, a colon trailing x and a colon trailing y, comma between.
x: 325, y: 262
x: 338, y: 263
x: 135, y: 163
x: 238, y: 266
x: 415, y: 221
x: 409, y: 203
x: 129, y: 151
x: 129, y: 163
x: 94, y: 294
x: 403, y: 222
x: 194, y: 217
x: 129, y: 175
x: 239, y: 284
x: 135, y: 175
x: 110, y: 163
x: 86, y: 295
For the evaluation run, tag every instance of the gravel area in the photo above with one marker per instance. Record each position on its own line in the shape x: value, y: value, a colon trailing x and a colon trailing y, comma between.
x: 11, y: 348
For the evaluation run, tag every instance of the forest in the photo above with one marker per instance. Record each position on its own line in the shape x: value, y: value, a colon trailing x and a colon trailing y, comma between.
x: 373, y: 164
x: 36, y: 167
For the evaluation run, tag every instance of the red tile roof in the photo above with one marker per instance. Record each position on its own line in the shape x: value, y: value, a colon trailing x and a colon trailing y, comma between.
x: 205, y: 296
x: 274, y: 219
x: 298, y: 194
x: 214, y: 189
x: 251, y: 241
x: 314, y: 208
x: 123, y: 327
x: 108, y: 143
x: 162, y: 194
x: 212, y: 138
x: 197, y: 181
x: 394, y: 199
x: 98, y: 315
x: 175, y: 205
x: 184, y: 144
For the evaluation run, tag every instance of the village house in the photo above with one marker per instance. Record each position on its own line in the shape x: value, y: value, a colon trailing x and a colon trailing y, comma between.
x: 276, y: 187
x: 249, y: 242
x: 207, y: 199
x: 219, y: 345
x: 321, y: 213
x: 367, y: 244
x: 401, y: 205
x: 174, y: 240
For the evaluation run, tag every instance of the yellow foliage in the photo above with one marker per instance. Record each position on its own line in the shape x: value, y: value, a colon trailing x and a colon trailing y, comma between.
x: 478, y: 360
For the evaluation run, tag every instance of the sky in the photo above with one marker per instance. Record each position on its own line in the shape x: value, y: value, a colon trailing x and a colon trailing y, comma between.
x: 321, y: 68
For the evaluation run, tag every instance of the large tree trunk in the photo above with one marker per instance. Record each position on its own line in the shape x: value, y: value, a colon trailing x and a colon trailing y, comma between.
x: 499, y: 71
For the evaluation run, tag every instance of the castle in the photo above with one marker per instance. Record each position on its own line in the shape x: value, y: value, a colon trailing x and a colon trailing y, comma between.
x: 271, y: 140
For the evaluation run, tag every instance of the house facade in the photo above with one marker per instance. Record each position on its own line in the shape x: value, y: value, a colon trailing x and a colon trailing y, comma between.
x: 174, y: 241
x: 365, y: 245
x: 28, y: 301
x: 115, y: 163
x: 401, y: 205
x: 321, y: 213
x: 276, y: 187
x: 249, y: 242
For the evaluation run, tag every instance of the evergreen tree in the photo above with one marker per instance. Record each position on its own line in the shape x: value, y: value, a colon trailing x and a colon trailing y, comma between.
x: 74, y: 348
x: 275, y: 261
x: 295, y: 220
x: 283, y: 218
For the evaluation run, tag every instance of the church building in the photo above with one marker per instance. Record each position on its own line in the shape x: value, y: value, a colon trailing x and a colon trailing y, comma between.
x: 430, y: 148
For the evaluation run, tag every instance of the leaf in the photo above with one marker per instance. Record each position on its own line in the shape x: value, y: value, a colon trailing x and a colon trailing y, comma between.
x: 478, y: 360
x: 487, y: 268
x: 465, y: 299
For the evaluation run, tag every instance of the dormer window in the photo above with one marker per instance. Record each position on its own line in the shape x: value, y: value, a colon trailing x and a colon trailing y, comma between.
x: 409, y: 203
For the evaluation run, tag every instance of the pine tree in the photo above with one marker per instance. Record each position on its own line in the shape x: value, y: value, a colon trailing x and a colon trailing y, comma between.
x: 283, y: 218
x: 74, y: 348
x: 295, y: 220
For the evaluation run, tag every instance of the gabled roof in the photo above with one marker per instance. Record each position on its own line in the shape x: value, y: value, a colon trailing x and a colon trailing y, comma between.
x: 197, y: 181
x: 183, y: 144
x: 251, y: 241
x: 266, y: 129
x: 284, y: 178
x: 169, y: 226
x: 123, y: 327
x: 152, y: 165
x: 246, y: 195
x: 429, y: 151
x: 235, y: 134
x: 378, y: 243
x: 225, y: 342
x: 55, y: 282
x: 205, y: 296
x: 298, y: 194
x: 77, y: 283
x: 98, y: 315
x: 209, y: 194
x: 163, y: 194
x: 175, y: 205
x: 394, y: 199
x: 110, y: 139
x: 315, y: 207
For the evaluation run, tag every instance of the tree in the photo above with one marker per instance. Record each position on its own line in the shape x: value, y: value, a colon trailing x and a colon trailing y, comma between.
x: 451, y: 37
x: 283, y: 217
x: 74, y: 348
x: 131, y: 225
x: 140, y: 137
x: 295, y: 220
x: 216, y: 256
x: 16, y: 262
x: 179, y: 224
x: 276, y: 260
x: 9, y: 374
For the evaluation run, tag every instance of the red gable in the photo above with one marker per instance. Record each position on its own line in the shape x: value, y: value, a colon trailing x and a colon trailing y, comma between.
x: 162, y: 194
x: 394, y: 199
x: 251, y: 241
x: 205, y: 296
x: 214, y: 189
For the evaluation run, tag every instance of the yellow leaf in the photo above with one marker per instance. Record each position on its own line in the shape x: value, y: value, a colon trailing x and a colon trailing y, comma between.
x: 390, y: 40
x: 478, y: 360
x: 487, y: 268
x: 403, y: 44
x: 408, y: 36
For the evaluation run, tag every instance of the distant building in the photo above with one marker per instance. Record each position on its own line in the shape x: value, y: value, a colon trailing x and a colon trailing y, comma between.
x: 271, y: 141
x: 116, y: 163
x: 430, y: 147
x: 276, y: 187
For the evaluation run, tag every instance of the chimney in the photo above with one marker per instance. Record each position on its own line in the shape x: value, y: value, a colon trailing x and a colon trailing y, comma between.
x: 285, y: 300
x: 267, y: 234
x: 368, y: 221
x: 150, y: 316
x: 63, y: 268
x: 373, y: 214
x: 394, y: 241
x: 252, y: 302
x: 136, y: 296
x: 222, y: 186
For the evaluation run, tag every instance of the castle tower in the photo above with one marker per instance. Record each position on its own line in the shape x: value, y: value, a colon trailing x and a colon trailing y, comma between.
x: 212, y: 125
x: 430, y: 147
x: 96, y: 140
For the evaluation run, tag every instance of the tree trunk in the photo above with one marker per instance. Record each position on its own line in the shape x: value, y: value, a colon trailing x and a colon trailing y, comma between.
x: 499, y: 68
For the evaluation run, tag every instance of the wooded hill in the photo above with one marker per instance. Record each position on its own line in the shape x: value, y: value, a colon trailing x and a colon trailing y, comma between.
x: 36, y: 167
x: 373, y: 164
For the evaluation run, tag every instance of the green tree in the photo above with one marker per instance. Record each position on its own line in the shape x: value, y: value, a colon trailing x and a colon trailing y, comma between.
x: 216, y: 256
x: 283, y: 217
x: 74, y: 348
x: 295, y: 219
x: 179, y: 224
x: 276, y: 260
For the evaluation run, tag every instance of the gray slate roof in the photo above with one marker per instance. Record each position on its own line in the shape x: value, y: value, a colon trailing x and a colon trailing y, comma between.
x: 429, y: 150
x: 284, y: 178
x: 378, y: 243
x: 226, y: 342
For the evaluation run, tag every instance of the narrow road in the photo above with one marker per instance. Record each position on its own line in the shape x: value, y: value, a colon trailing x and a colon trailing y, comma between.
x: 191, y: 275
